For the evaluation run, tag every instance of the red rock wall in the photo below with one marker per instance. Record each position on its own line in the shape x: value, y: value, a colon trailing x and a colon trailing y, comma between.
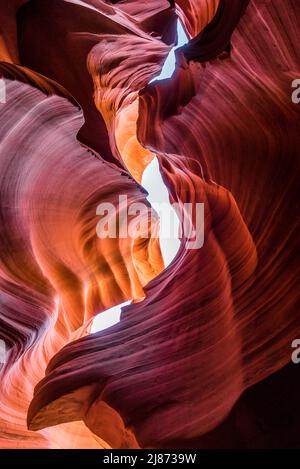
x: 219, y: 320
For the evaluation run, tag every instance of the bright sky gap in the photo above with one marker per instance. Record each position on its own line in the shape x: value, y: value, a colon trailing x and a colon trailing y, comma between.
x: 158, y: 194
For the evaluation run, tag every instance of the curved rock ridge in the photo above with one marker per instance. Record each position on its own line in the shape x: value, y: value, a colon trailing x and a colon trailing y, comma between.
x: 196, y: 14
x: 256, y: 128
x: 55, y: 272
x: 174, y: 372
x: 214, y: 39
x: 81, y: 26
x: 121, y: 277
x: 145, y: 364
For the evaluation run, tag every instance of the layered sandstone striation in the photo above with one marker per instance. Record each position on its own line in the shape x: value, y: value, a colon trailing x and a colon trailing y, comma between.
x: 80, y: 124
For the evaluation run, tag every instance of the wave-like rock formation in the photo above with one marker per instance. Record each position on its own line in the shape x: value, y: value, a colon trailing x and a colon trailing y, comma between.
x: 194, y: 355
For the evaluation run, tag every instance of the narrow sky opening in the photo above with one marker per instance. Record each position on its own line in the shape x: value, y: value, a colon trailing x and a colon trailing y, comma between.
x: 170, y: 63
x: 158, y: 198
x: 107, y: 318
